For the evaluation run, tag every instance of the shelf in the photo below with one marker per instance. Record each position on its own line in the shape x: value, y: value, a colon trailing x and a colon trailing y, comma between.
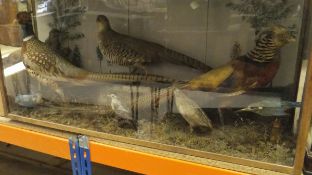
x: 105, y: 154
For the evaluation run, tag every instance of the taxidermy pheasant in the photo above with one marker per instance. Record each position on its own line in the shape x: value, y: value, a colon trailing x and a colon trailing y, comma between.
x: 125, y: 50
x: 47, y: 66
x: 255, y: 69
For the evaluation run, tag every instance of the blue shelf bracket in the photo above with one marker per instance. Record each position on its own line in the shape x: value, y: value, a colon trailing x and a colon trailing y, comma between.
x: 80, y: 155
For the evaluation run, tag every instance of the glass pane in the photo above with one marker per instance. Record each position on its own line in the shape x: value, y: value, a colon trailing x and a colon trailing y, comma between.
x: 215, y: 76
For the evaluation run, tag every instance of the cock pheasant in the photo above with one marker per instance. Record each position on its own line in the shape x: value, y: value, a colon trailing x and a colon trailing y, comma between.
x: 256, y: 69
x: 125, y: 50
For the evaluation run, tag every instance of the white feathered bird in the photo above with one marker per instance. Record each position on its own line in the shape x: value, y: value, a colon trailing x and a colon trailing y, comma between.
x: 192, y: 113
x: 119, y: 108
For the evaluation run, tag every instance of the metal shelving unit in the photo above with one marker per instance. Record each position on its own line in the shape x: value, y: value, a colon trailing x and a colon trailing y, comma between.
x: 122, y: 158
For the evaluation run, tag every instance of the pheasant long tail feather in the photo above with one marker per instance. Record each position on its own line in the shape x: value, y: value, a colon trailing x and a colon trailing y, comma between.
x: 178, y: 58
x: 128, y: 77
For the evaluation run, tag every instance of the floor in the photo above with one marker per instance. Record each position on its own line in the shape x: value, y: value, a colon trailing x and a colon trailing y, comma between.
x: 19, y: 161
x: 11, y: 166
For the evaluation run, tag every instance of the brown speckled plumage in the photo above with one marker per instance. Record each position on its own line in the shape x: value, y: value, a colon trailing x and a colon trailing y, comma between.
x: 125, y: 50
x: 38, y: 57
x: 46, y: 66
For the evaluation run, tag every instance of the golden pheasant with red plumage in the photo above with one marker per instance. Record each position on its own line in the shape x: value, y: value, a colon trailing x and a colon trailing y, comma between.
x: 256, y: 69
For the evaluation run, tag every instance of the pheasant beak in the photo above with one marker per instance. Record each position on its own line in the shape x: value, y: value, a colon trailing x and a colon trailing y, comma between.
x: 291, y: 36
x: 111, y: 95
x: 244, y: 110
x: 292, y: 39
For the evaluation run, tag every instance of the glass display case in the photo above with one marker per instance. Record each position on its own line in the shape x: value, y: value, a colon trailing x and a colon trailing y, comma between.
x: 215, y: 79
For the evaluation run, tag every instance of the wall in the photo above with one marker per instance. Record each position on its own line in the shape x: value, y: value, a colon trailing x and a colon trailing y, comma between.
x: 8, y: 10
x: 9, y: 30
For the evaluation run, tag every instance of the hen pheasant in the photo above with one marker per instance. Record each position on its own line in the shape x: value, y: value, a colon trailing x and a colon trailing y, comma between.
x: 125, y: 50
